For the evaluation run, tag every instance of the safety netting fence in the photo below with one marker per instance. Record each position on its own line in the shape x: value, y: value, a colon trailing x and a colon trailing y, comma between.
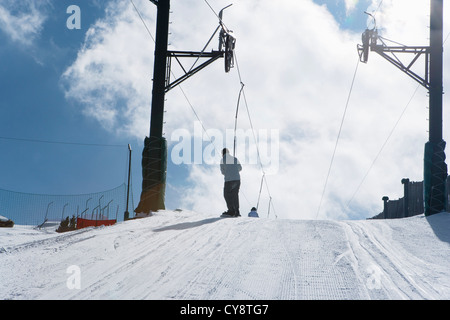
x: 35, y: 209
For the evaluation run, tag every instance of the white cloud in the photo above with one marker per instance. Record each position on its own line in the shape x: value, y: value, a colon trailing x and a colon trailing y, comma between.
x: 112, y: 74
x: 405, y: 21
x: 22, y: 21
x: 297, y: 66
x: 350, y: 6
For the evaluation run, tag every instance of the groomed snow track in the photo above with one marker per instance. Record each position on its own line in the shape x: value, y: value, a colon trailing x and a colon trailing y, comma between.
x: 187, y: 255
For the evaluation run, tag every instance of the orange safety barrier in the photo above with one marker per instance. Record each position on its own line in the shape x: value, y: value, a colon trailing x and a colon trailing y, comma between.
x: 84, y: 223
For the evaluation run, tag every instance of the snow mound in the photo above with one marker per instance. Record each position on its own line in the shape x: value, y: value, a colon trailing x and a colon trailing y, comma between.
x: 188, y: 255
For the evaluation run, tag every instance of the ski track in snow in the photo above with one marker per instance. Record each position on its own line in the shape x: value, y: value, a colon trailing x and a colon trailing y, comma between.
x: 187, y: 255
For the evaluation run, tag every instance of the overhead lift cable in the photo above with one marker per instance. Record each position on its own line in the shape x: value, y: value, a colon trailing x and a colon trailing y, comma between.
x: 384, y: 145
x: 65, y: 142
x: 181, y: 89
x: 263, y: 177
x: 241, y: 94
x: 142, y: 19
x: 337, y: 138
x: 389, y: 136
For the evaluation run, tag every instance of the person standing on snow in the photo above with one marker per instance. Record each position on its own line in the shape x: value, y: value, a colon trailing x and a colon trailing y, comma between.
x: 230, y: 168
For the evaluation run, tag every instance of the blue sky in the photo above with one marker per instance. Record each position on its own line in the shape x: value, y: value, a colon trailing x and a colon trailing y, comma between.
x: 33, y: 106
x: 39, y: 103
x: 348, y: 16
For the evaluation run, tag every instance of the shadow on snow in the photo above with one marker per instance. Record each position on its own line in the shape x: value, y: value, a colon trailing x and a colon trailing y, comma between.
x: 188, y: 225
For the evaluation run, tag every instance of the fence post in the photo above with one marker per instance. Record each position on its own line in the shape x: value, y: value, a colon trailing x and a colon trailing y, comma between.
x: 385, y: 208
x: 127, y: 213
x: 405, y: 183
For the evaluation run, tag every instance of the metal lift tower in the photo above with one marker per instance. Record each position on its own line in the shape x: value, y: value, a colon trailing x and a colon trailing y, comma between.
x: 435, y: 168
x: 154, y: 154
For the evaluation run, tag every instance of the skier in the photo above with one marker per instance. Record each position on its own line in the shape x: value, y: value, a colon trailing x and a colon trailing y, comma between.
x: 230, y: 167
x: 253, y: 213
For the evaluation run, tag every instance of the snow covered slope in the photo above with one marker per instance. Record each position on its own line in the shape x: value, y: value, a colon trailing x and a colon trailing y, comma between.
x: 187, y: 255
